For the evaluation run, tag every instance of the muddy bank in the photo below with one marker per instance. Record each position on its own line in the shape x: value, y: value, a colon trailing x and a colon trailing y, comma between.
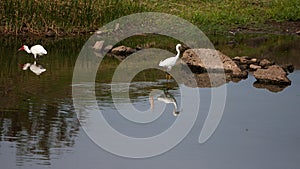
x: 270, y: 27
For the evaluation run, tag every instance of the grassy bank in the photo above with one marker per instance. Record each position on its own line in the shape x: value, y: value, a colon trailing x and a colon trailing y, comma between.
x: 82, y: 16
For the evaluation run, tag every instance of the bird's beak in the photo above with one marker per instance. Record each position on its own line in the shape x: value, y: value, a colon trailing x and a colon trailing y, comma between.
x: 22, y: 48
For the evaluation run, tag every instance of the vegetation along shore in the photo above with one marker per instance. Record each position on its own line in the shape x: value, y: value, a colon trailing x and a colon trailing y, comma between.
x: 68, y: 17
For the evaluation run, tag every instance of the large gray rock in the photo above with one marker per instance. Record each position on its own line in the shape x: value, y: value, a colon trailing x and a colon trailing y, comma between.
x: 273, y: 75
x: 211, y: 60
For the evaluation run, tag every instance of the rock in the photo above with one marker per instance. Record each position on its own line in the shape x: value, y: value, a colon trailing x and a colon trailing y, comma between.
x: 237, y: 73
x: 243, y: 67
x: 98, y: 45
x: 108, y: 48
x: 265, y: 63
x: 50, y: 33
x: 273, y: 75
x: 122, y: 50
x: 200, y: 60
x: 237, y: 58
x: 117, y: 27
x: 298, y: 32
x: 244, y: 59
x: 254, y: 60
x: 288, y: 68
x: 254, y: 67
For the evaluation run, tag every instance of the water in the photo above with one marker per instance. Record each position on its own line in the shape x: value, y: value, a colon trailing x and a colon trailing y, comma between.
x: 39, y: 127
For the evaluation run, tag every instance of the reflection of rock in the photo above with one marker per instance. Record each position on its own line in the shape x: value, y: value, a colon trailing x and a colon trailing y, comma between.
x: 202, y: 60
x: 270, y: 87
x: 205, y: 80
x: 36, y: 69
x: 273, y: 75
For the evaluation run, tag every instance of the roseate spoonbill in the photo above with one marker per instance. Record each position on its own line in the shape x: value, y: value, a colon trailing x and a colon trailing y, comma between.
x: 36, y: 50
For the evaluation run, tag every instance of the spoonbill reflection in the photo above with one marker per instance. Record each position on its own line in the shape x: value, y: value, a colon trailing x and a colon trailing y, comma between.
x: 36, y: 69
x: 36, y: 50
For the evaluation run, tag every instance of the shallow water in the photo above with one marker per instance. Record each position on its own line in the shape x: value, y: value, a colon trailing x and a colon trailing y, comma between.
x: 40, y: 129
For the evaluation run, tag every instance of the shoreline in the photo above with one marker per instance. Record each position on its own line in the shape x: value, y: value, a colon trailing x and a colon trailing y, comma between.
x: 271, y: 27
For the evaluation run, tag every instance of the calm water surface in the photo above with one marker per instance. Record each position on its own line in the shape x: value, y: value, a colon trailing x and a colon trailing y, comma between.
x: 39, y: 128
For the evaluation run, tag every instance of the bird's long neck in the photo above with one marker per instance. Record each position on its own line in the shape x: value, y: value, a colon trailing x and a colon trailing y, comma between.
x: 27, y: 49
x: 178, y: 51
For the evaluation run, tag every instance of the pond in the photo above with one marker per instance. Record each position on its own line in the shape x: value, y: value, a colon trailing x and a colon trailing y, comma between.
x: 39, y: 126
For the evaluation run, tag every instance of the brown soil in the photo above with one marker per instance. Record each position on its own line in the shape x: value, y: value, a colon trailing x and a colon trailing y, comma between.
x: 272, y: 27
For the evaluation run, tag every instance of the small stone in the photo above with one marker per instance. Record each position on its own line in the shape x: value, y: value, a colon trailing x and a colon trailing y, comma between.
x: 265, y: 63
x: 253, y: 60
x: 239, y: 74
x: 50, y: 33
x: 108, y: 48
x: 243, y: 60
x: 288, y: 68
x: 98, y: 45
x: 254, y: 67
x: 98, y: 32
x: 237, y: 58
x: 122, y: 50
x: 117, y: 27
x: 273, y: 75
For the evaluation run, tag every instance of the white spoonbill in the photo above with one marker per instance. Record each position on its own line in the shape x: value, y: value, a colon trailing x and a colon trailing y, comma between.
x: 36, y: 50
x: 171, y: 61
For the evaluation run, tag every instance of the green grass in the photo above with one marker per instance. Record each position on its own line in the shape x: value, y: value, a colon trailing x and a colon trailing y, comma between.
x: 83, y: 16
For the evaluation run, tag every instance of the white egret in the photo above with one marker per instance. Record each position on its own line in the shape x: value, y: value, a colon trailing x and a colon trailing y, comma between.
x: 36, y: 50
x: 171, y: 61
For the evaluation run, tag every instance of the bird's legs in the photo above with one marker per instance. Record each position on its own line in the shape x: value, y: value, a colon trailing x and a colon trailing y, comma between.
x: 168, y: 76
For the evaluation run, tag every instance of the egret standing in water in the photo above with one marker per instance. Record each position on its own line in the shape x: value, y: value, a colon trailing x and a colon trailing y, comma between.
x: 171, y: 61
x: 36, y: 50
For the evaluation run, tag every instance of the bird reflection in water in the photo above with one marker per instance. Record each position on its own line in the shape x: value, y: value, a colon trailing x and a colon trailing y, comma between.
x: 35, y: 68
x: 163, y: 96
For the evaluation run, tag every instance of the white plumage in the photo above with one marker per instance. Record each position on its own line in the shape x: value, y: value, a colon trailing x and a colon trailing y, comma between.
x: 36, y: 50
x: 171, y: 61
x: 36, y: 69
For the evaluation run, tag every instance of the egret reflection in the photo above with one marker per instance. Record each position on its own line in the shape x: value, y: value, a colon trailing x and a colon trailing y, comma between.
x: 163, y: 96
x: 34, y: 67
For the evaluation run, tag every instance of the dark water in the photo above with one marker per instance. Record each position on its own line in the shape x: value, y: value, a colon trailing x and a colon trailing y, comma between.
x: 39, y: 127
